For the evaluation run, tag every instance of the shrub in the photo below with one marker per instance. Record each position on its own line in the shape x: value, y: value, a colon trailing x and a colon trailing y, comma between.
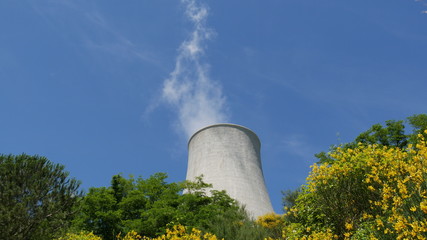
x: 369, y: 192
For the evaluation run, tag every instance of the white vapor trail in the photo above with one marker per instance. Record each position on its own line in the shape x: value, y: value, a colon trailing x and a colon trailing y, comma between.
x: 197, y: 99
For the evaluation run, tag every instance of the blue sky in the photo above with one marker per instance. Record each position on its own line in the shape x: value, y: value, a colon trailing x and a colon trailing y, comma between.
x: 107, y: 87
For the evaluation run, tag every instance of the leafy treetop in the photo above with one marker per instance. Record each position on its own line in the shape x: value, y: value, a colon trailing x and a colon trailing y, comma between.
x: 391, y: 135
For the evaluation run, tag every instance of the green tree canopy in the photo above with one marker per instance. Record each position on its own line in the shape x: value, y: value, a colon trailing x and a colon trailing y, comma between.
x: 150, y: 205
x: 36, y: 197
x: 392, y: 134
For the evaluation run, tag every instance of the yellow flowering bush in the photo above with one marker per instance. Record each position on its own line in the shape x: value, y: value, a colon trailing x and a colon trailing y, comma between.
x: 179, y: 232
x: 270, y: 220
x: 273, y: 223
x: 132, y: 235
x: 369, y: 192
x: 80, y: 236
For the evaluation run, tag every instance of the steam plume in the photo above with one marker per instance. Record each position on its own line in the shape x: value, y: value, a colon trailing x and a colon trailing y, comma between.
x: 197, y: 99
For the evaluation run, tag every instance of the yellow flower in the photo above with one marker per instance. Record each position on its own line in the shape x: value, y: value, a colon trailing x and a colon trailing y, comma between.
x: 270, y: 220
x: 379, y: 222
x: 179, y: 232
x: 423, y: 206
x: 399, y: 225
x: 349, y: 226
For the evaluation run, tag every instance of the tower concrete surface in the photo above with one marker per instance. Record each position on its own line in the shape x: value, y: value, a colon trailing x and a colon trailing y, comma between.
x: 228, y: 157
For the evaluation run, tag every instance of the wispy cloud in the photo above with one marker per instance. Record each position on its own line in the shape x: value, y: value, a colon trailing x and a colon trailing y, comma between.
x: 80, y: 22
x: 424, y: 3
x: 198, y: 100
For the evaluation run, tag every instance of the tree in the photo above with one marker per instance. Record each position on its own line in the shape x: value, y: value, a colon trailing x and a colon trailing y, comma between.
x: 289, y: 197
x: 390, y: 135
x: 36, y: 197
x: 419, y: 125
x: 149, y: 206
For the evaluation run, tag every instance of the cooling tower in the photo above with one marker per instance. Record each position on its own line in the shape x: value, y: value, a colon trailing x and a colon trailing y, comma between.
x: 228, y: 157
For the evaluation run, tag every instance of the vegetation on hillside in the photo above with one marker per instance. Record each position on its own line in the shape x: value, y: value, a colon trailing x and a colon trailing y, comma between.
x: 149, y: 206
x: 372, y: 188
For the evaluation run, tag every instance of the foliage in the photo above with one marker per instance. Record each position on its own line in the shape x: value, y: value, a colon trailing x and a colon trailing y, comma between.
x: 273, y: 222
x: 270, y: 220
x: 148, y: 206
x: 132, y: 235
x: 36, y: 197
x: 391, y: 135
x: 231, y: 227
x: 180, y: 232
x: 419, y: 125
x: 289, y: 197
x: 370, y: 192
x: 175, y: 233
x: 80, y: 236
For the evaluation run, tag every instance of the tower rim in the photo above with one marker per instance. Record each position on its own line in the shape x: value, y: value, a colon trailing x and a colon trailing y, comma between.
x: 225, y: 125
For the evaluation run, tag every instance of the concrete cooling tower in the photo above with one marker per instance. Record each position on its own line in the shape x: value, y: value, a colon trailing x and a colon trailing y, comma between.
x: 228, y: 157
